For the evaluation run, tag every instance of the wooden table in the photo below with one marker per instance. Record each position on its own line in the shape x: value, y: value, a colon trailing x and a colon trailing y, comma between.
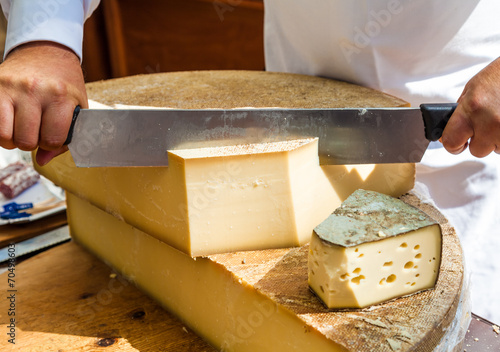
x: 67, y: 300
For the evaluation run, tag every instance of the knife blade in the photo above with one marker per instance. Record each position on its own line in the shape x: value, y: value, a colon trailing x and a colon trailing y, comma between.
x: 142, y: 137
x: 48, y: 239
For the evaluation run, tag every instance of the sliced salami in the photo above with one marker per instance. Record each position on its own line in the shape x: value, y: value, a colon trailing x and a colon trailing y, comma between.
x: 18, y: 181
x: 11, y: 169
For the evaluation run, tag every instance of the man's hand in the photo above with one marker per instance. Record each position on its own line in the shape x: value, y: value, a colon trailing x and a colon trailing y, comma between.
x: 41, y: 83
x: 476, y: 121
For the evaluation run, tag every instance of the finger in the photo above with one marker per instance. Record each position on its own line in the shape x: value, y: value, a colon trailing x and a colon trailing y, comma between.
x: 44, y: 156
x: 479, y: 148
x: 27, y: 117
x: 486, y: 133
x: 56, y: 121
x: 6, y: 123
x: 457, y: 132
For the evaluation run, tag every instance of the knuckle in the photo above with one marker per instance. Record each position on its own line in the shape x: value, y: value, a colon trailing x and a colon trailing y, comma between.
x: 475, y: 102
x: 25, y: 144
x: 58, y: 89
x: 30, y: 85
x: 51, y: 143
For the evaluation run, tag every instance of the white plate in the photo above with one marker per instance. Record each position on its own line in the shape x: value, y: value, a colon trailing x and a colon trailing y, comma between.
x: 44, y: 192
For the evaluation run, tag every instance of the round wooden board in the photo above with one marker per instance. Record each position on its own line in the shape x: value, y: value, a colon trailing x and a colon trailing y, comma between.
x: 424, y: 317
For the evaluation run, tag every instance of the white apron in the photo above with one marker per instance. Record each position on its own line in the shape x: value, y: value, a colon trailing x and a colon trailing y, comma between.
x: 420, y: 51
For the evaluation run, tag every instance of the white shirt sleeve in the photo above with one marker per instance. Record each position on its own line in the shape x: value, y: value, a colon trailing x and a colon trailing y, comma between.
x: 59, y: 21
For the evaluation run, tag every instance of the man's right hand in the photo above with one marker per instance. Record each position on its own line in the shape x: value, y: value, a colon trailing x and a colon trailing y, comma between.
x: 41, y: 83
x: 476, y: 120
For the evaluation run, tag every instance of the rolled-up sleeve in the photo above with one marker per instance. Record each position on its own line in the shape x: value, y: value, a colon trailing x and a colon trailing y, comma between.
x: 59, y: 21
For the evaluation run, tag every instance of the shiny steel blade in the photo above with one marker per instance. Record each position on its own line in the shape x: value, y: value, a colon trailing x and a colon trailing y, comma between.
x: 346, y: 136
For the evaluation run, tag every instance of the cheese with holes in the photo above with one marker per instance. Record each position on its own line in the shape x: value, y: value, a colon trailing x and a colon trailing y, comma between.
x: 214, y: 200
x: 372, y: 249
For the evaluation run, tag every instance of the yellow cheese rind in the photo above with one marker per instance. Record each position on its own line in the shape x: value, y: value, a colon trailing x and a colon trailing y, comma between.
x: 228, y: 312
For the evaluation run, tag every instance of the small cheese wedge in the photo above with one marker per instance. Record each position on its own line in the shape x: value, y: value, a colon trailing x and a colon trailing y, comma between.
x: 372, y: 249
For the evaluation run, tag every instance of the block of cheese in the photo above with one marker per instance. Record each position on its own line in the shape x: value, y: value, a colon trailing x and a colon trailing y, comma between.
x: 372, y: 249
x: 230, y: 203
x: 248, y: 197
x: 260, y: 300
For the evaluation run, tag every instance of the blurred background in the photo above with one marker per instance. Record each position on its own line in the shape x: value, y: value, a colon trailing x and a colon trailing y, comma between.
x: 128, y: 37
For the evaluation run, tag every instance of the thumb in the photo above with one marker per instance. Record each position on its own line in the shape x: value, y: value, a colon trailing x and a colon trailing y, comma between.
x: 44, y: 156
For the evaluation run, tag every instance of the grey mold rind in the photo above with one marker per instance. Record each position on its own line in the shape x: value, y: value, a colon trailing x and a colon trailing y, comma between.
x: 367, y: 216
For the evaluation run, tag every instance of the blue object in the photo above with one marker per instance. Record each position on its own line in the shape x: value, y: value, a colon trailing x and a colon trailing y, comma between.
x: 14, y: 215
x: 11, y: 210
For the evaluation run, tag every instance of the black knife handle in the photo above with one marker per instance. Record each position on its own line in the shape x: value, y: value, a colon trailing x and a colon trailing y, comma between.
x: 436, y: 117
x: 72, y: 126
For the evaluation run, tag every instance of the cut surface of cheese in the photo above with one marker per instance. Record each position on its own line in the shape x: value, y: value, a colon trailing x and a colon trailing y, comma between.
x: 260, y: 300
x: 253, y: 196
x: 204, y: 203
x: 372, y: 249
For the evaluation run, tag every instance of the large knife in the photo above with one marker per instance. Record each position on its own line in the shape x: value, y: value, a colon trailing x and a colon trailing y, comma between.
x: 142, y: 137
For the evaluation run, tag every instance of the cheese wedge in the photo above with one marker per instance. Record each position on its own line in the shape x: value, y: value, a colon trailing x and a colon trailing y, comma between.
x: 372, y: 249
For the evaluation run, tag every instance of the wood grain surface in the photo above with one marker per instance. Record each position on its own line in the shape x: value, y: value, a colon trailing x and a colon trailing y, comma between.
x: 68, y: 300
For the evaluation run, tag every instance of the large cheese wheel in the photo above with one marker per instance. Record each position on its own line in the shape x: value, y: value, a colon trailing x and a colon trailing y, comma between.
x: 233, y: 89
x: 202, y: 204
x: 275, y: 279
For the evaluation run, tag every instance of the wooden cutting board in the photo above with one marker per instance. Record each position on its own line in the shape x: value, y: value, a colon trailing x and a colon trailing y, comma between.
x: 66, y: 300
